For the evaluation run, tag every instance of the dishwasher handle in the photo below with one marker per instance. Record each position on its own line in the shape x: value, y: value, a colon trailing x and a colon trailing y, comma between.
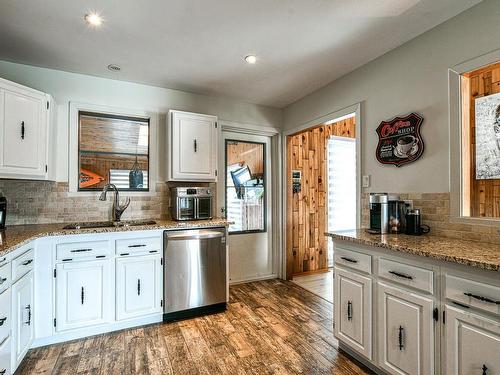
x: 194, y: 236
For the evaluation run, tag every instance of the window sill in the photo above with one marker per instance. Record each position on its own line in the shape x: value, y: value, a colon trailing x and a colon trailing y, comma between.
x: 490, y: 221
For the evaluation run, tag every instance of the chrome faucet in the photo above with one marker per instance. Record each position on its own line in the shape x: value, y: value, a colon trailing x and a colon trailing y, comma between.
x: 117, y: 209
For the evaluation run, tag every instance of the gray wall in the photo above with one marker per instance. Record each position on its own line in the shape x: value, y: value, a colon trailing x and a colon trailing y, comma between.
x: 411, y: 78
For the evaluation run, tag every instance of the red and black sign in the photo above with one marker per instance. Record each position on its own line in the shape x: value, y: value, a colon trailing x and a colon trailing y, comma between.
x: 399, y: 140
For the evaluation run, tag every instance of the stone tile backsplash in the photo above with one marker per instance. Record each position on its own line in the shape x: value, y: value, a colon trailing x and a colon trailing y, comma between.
x: 436, y: 213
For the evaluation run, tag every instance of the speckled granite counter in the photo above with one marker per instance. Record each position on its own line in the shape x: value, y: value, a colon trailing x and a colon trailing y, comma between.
x: 16, y: 236
x: 476, y: 254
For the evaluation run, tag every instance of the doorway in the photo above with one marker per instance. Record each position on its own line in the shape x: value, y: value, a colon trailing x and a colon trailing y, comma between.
x: 322, y: 195
x: 245, y: 199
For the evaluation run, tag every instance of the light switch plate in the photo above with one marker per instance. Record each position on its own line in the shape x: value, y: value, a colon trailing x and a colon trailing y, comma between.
x: 366, y: 181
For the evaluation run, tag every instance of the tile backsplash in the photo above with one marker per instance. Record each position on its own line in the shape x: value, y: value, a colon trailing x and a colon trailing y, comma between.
x: 436, y: 213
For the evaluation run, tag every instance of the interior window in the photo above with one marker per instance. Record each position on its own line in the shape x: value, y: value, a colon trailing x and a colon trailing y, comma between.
x: 113, y: 149
x: 245, y: 186
x: 480, y: 102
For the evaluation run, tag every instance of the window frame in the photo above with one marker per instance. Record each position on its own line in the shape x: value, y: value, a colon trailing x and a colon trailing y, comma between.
x: 227, y: 140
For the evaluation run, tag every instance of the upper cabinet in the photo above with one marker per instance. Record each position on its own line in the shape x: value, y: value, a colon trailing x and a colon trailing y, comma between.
x: 192, y: 147
x: 24, y: 132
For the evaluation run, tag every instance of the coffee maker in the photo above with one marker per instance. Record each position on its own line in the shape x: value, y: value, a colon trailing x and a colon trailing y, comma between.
x: 397, y: 214
x: 3, y: 212
x: 379, y: 213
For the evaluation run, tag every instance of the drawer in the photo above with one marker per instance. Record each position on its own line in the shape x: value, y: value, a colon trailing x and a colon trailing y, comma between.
x: 473, y: 293
x: 5, y: 356
x: 5, y: 276
x: 82, y: 250
x: 406, y: 274
x: 139, y: 245
x: 5, y: 315
x: 353, y: 259
x: 22, y: 265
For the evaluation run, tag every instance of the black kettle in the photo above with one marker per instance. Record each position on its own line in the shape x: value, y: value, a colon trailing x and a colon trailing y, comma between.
x: 413, y: 224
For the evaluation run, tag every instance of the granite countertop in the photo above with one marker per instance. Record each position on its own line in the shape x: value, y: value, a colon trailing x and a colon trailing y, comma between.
x: 470, y: 253
x: 16, y: 236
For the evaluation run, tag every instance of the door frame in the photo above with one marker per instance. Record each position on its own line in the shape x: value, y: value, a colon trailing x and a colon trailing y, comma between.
x: 357, y: 110
x: 274, y: 188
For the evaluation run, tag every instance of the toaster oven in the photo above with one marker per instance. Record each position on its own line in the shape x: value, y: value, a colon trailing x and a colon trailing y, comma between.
x: 192, y: 203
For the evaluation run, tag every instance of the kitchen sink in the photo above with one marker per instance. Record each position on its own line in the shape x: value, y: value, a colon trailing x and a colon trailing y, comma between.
x: 109, y: 224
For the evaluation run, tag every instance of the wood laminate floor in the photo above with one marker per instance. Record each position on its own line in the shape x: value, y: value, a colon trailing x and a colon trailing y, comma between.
x: 270, y: 327
x: 320, y: 284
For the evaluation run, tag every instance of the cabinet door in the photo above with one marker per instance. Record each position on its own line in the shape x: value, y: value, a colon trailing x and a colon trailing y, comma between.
x: 472, y: 343
x: 23, y: 134
x: 5, y: 366
x: 406, y: 331
x: 194, y: 146
x: 84, y: 294
x: 138, y: 286
x: 22, y: 317
x: 353, y: 311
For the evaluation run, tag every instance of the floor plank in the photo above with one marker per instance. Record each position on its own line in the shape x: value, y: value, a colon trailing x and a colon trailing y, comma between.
x: 270, y: 327
x: 320, y: 284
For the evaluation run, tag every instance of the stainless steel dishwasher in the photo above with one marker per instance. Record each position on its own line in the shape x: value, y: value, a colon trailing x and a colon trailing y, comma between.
x: 195, y: 272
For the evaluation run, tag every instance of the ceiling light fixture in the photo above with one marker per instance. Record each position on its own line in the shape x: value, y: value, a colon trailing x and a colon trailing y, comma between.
x: 251, y: 59
x: 114, y: 68
x: 93, y: 19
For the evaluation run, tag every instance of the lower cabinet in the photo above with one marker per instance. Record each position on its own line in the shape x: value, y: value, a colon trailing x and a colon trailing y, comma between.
x: 353, y: 315
x: 83, y: 294
x: 22, y: 317
x: 5, y: 366
x: 405, y: 331
x: 472, y: 343
x: 138, y: 286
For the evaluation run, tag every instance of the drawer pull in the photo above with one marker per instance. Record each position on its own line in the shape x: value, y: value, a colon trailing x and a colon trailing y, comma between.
x: 138, y: 287
x: 481, y: 298
x: 80, y: 250
x: 2, y: 280
x: 2, y: 321
x: 349, y: 310
x: 29, y: 261
x: 100, y: 256
x: 461, y: 305
x: 2, y: 372
x: 83, y: 295
x: 67, y: 259
x: 350, y: 260
x: 153, y: 251
x: 484, y: 368
x: 139, y: 245
x: 402, y: 275
x: 401, y: 338
x: 29, y: 314
x: 123, y: 254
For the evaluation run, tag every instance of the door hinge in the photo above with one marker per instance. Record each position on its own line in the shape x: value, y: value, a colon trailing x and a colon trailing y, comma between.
x: 55, y: 322
x: 444, y: 316
x: 48, y: 104
x: 435, y: 314
x: 55, y: 272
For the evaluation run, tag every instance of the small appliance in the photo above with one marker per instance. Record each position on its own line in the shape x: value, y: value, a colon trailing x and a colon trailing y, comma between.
x: 192, y: 203
x: 397, y: 212
x: 379, y: 213
x: 3, y: 212
x: 413, y: 224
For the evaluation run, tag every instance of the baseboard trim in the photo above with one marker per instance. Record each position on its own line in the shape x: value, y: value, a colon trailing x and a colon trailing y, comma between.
x: 252, y: 279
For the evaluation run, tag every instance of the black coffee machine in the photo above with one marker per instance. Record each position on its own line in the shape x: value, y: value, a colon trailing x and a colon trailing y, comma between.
x: 413, y: 223
x: 3, y: 212
x: 379, y: 213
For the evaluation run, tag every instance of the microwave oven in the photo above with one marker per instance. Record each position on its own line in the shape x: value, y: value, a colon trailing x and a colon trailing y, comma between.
x: 192, y: 203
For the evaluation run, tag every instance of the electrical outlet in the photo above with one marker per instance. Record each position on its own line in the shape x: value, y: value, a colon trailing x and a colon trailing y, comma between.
x: 366, y: 181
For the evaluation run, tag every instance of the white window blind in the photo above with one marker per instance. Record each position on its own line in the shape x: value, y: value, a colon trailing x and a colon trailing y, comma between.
x: 341, y: 186
x: 120, y: 178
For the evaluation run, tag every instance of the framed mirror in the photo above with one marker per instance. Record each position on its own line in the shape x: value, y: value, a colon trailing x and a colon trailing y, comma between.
x: 113, y: 149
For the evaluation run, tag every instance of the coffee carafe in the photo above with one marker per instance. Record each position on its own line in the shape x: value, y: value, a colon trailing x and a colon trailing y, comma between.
x: 397, y: 215
x: 413, y: 224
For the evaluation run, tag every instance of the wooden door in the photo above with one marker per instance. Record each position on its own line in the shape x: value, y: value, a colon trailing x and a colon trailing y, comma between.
x: 138, y: 286
x: 353, y: 311
x: 406, y: 331
x: 472, y: 343
x: 84, y: 294
x: 194, y: 146
x: 22, y: 316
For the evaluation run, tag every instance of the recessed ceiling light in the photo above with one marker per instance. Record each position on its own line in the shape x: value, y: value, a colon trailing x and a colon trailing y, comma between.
x: 251, y: 59
x: 114, y: 68
x: 93, y: 19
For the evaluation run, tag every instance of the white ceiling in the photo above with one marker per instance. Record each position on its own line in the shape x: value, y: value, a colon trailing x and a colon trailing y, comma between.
x: 199, y: 45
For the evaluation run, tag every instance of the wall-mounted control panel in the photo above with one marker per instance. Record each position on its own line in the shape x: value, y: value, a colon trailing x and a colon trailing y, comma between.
x: 296, y: 181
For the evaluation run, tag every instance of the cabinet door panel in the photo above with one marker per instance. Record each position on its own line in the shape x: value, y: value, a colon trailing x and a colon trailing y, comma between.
x: 23, y: 133
x: 406, y: 331
x: 353, y: 311
x: 22, y: 313
x: 83, y: 294
x: 5, y: 366
x: 138, y: 286
x: 472, y: 344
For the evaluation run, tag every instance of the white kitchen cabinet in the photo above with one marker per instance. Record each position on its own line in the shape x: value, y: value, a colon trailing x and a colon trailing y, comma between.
x: 22, y: 317
x: 138, y: 286
x: 5, y: 366
x: 353, y: 315
x: 84, y: 294
x: 24, y: 132
x: 472, y: 343
x: 192, y: 147
x: 406, y: 331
